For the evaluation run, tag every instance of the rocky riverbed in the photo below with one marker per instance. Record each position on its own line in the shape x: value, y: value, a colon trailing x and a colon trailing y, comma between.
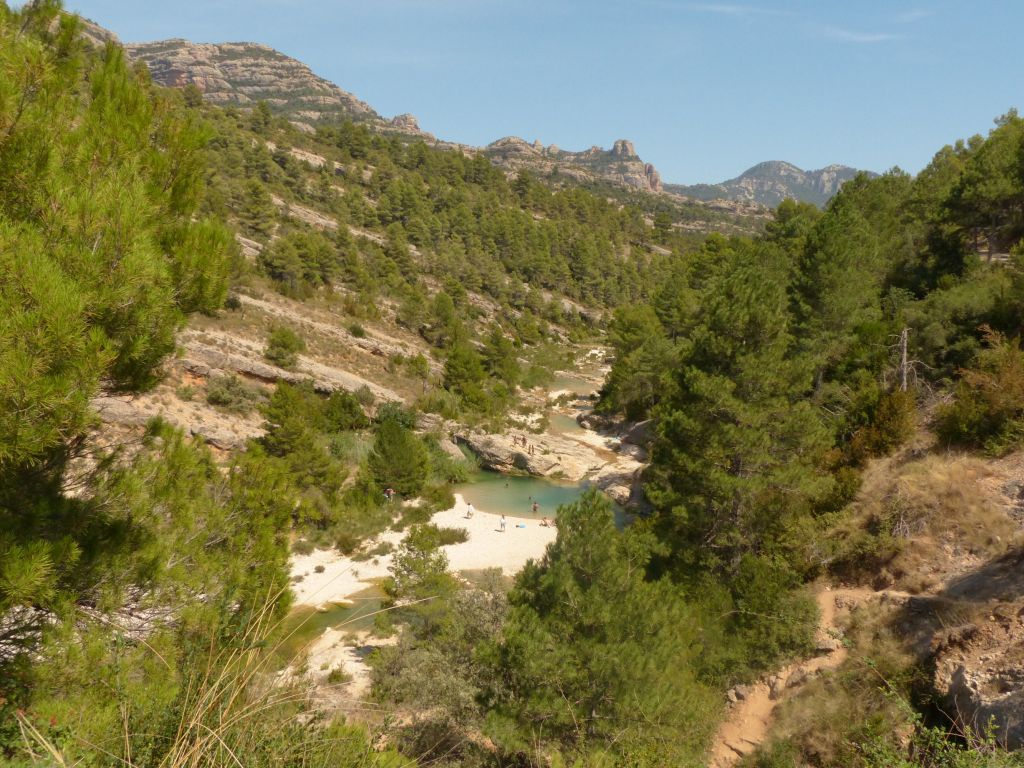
x: 609, y: 454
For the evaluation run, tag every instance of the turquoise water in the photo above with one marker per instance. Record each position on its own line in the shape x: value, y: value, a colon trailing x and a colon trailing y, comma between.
x: 564, y: 425
x: 574, y: 384
x: 514, y: 495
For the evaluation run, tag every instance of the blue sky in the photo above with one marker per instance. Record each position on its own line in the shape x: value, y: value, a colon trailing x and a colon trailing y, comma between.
x: 704, y: 89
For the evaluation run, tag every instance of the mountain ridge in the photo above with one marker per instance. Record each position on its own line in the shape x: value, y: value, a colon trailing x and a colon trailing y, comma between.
x: 244, y: 73
x: 772, y: 181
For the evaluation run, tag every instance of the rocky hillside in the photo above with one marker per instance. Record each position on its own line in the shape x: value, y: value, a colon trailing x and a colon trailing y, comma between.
x: 771, y: 182
x: 245, y: 73
x: 929, y: 585
x: 620, y: 165
x: 242, y: 74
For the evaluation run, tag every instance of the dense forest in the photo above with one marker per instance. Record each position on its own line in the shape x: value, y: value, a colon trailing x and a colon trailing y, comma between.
x: 143, y: 585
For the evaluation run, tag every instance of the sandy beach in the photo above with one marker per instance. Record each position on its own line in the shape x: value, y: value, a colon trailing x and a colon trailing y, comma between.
x: 342, y: 577
x: 486, y: 547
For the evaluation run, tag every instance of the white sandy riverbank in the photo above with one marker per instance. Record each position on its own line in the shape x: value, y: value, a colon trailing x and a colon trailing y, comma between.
x: 486, y: 547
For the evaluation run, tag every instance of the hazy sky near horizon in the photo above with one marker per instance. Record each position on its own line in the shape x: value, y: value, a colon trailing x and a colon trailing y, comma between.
x: 704, y: 89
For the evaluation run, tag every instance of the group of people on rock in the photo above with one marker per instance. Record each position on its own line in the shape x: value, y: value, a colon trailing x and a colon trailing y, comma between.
x: 520, y: 440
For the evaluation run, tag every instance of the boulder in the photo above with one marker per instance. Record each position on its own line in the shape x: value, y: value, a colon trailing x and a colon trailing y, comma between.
x: 642, y: 433
x: 451, y: 449
x: 827, y: 644
x: 636, y: 452
x: 621, y: 481
x: 798, y: 678
x: 979, y: 671
x: 595, y: 421
x: 119, y: 410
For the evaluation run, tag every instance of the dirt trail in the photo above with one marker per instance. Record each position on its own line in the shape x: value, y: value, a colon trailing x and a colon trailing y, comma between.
x: 747, y: 722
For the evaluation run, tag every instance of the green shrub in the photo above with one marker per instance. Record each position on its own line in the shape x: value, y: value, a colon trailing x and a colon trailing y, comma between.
x: 357, y: 330
x: 419, y: 514
x: 350, y: 447
x: 346, y: 542
x: 440, y: 401
x: 337, y: 676
x: 365, y: 396
x: 185, y: 392
x: 396, y: 412
x: 417, y: 366
x: 987, y: 410
x: 342, y: 412
x: 303, y: 547
x: 283, y: 347
x: 383, y: 624
x: 232, y: 394
x: 446, y: 536
x: 892, y: 424
x: 438, y: 497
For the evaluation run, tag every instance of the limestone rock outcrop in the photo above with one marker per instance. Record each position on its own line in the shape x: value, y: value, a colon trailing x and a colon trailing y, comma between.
x: 406, y: 122
x: 979, y: 668
x: 242, y: 74
x: 552, y: 456
x: 620, y: 165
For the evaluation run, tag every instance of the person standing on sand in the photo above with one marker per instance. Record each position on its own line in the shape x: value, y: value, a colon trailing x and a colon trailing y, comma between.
x: 469, y: 511
x: 501, y: 524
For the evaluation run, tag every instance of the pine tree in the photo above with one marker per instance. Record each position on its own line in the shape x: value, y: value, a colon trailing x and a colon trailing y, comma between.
x: 399, y: 460
x: 101, y: 256
x: 595, y: 656
x: 736, y: 462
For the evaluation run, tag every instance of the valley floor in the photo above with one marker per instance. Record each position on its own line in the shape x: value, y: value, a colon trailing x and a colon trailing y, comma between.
x: 325, y: 578
x: 486, y: 547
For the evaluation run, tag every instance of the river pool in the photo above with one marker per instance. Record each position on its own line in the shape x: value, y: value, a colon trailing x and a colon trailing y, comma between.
x: 514, y: 495
x: 573, y: 383
x: 563, y: 424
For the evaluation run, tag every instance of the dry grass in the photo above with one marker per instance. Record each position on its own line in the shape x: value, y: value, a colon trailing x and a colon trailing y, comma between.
x: 861, y: 700
x: 235, y: 712
x: 915, y: 524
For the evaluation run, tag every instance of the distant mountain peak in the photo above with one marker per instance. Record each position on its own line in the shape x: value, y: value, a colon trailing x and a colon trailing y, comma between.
x: 772, y: 181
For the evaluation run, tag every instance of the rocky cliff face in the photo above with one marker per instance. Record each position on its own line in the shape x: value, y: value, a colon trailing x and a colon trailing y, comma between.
x: 620, y: 165
x: 245, y: 73
x: 772, y: 182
